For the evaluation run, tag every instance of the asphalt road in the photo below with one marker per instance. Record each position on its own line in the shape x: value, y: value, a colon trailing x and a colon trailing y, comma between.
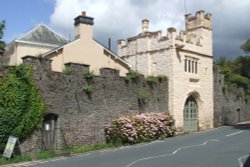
x: 223, y: 147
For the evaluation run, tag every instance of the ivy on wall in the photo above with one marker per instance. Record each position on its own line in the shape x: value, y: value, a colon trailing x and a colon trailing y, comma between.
x: 21, y: 107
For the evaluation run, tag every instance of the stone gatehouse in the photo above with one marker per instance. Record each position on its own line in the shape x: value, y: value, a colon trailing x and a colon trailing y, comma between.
x: 187, y: 59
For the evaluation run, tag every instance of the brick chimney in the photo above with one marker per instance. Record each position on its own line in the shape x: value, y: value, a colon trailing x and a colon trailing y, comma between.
x: 84, y: 26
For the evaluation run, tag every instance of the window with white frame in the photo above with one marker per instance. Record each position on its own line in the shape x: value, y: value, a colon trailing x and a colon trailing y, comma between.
x: 191, y: 65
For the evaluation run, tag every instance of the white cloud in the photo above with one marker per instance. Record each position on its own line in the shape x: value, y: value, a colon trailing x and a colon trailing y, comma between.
x: 116, y: 19
x: 122, y: 18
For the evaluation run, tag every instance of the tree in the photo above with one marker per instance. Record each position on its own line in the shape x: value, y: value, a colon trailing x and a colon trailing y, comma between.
x: 2, y: 43
x: 242, y: 66
x: 246, y: 46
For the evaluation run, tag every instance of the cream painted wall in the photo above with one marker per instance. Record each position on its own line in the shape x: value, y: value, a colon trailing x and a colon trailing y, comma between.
x: 19, y: 50
x: 85, y: 50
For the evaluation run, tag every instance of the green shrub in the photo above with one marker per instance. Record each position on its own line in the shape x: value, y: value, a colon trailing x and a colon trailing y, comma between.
x: 151, y: 79
x: 88, y: 88
x: 133, y: 75
x: 143, y: 95
x: 238, y: 80
x: 21, y: 107
x: 89, y: 75
x: 162, y: 78
x: 68, y: 70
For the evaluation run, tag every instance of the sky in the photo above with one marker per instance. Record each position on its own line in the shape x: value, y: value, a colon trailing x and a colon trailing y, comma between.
x: 121, y: 19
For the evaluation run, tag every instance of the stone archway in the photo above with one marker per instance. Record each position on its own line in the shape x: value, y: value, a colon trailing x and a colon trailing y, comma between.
x: 49, y: 131
x: 190, y: 115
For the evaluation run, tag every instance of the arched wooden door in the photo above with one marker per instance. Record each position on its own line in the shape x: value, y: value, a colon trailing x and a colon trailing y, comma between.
x: 190, y: 115
x: 49, y: 126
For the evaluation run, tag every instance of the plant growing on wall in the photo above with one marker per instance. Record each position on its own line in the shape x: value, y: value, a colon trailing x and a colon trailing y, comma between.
x: 21, y: 107
x: 88, y: 75
x: 162, y: 78
x: 151, y: 79
x: 88, y: 88
x: 133, y: 75
x: 68, y: 70
x: 143, y: 95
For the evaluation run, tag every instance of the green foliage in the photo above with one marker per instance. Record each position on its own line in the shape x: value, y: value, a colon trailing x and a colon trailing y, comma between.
x: 238, y: 79
x: 143, y: 95
x: 2, y: 43
x: 87, y: 148
x: 133, y: 75
x: 237, y: 73
x: 89, y: 75
x: 221, y: 61
x: 15, y: 159
x: 162, y: 78
x: 246, y: 46
x: 151, y: 79
x: 241, y: 65
x: 21, y: 107
x: 68, y: 70
x: 28, y: 157
x: 88, y: 88
x: 44, y: 155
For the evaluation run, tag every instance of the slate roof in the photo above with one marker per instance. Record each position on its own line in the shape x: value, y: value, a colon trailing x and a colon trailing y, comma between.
x: 41, y: 34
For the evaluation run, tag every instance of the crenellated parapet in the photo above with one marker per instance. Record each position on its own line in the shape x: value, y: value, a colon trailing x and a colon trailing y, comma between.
x: 200, y: 20
x: 197, y: 37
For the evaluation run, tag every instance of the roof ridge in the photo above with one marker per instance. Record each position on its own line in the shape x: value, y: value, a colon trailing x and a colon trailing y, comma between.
x: 28, y: 32
x: 58, y: 34
x: 34, y: 28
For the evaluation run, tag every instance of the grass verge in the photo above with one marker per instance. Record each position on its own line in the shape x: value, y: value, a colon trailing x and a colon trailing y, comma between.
x: 46, y: 154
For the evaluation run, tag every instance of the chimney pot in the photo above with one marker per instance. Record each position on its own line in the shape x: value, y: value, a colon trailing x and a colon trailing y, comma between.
x: 83, y: 13
x: 145, y: 25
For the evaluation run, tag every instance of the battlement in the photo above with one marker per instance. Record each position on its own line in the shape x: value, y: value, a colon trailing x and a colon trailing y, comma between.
x: 200, y: 20
x: 197, y: 37
x: 158, y: 41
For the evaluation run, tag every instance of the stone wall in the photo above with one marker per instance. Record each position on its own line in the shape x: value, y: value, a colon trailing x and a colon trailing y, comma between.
x: 230, y: 106
x: 82, y: 116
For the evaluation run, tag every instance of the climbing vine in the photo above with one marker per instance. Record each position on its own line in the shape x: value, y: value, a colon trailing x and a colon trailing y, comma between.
x: 21, y: 107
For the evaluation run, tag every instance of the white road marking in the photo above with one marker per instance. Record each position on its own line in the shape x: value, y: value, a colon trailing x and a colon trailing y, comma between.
x: 173, y: 153
x: 242, y: 159
x: 43, y: 161
x: 232, y: 134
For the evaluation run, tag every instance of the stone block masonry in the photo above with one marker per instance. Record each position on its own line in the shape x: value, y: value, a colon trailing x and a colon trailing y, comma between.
x: 230, y: 105
x: 186, y: 58
x: 82, y: 116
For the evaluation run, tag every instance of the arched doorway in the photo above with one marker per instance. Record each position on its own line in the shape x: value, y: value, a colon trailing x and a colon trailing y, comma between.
x: 49, y: 129
x: 190, y: 115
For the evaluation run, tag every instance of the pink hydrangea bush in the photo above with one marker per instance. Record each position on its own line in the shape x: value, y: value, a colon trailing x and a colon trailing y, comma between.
x: 140, y: 128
